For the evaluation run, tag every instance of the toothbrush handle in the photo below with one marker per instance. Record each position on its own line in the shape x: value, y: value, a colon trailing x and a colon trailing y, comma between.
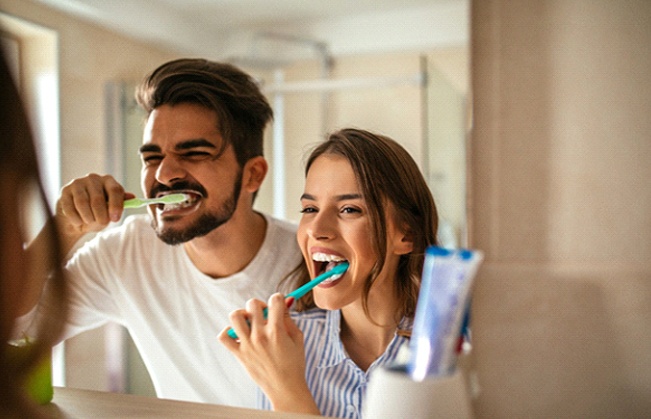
x: 134, y: 203
x: 289, y: 302
x: 301, y: 291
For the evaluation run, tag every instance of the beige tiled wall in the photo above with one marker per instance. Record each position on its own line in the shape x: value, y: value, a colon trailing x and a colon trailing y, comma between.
x: 561, y: 205
x: 88, y: 57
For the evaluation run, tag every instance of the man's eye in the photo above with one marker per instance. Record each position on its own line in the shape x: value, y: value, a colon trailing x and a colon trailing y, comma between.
x: 148, y: 160
x: 196, y: 155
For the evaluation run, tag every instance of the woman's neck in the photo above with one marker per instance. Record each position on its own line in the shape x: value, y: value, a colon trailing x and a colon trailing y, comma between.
x: 365, y: 340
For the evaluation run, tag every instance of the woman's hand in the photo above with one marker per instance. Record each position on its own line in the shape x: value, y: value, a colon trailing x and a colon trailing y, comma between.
x: 272, y: 352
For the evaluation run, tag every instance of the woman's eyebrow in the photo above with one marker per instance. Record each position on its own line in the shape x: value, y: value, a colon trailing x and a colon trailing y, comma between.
x: 343, y: 197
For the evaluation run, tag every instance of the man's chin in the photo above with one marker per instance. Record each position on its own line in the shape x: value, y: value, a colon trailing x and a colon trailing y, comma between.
x: 173, y: 237
x: 201, y: 227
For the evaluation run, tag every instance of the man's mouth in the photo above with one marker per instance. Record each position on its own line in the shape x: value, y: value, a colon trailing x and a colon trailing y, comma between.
x: 193, y: 197
x: 323, y: 262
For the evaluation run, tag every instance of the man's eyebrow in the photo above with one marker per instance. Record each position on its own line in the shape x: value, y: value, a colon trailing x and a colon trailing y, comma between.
x: 149, y: 148
x: 343, y: 197
x: 185, y: 145
x: 196, y: 143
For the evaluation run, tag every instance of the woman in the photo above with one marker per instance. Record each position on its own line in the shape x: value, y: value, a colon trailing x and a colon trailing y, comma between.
x: 366, y: 203
x: 19, y: 181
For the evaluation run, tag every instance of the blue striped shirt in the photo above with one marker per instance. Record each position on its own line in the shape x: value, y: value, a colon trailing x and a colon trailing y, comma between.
x: 337, y: 384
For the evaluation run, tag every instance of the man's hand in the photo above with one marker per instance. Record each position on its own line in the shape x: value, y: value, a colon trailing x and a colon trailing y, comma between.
x: 87, y: 205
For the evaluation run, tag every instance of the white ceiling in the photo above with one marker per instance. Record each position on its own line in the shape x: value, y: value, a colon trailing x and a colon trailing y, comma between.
x: 228, y: 28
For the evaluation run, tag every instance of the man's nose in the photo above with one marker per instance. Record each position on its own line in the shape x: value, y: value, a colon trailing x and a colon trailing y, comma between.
x: 169, y: 170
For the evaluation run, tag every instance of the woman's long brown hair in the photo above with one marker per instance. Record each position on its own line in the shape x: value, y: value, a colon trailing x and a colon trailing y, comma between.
x: 386, y: 175
x: 20, y: 178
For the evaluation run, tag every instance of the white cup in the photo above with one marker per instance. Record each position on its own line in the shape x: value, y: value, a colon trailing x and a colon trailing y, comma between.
x: 392, y: 394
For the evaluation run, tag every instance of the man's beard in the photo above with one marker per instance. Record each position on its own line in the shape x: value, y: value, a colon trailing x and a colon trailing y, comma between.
x: 206, y: 222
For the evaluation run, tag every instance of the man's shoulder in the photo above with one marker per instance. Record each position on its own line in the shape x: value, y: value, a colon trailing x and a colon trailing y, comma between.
x: 138, y: 221
x: 135, y: 229
x: 281, y: 226
x: 281, y: 234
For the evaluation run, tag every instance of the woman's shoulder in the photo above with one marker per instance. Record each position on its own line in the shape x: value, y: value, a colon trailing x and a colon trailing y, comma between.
x: 313, y: 313
x: 319, y: 324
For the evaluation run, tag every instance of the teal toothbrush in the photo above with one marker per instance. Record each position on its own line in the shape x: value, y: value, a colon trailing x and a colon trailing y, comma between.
x: 305, y: 288
x: 175, y: 198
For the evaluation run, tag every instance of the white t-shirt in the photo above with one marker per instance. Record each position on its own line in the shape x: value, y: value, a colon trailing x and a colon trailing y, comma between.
x: 172, y: 310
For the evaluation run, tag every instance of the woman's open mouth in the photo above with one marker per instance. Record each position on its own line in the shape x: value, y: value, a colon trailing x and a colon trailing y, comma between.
x: 323, y: 262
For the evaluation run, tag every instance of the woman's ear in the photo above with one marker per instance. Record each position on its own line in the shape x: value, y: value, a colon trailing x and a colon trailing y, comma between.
x: 255, y: 171
x: 403, y: 242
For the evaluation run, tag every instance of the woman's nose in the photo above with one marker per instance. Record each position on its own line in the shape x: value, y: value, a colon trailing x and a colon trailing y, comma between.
x: 322, y: 226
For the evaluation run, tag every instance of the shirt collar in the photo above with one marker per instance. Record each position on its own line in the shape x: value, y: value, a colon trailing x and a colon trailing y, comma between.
x: 333, y: 351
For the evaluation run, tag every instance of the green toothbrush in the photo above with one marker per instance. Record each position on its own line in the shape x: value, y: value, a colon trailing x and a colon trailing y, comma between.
x: 174, y: 198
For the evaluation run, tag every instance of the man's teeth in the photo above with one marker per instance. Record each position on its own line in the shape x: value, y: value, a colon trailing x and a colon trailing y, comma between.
x: 184, y: 204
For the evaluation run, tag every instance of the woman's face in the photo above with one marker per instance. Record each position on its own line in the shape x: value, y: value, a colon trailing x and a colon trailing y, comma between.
x: 336, y: 227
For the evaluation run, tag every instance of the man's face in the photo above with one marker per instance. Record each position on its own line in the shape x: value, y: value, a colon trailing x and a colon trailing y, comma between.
x: 182, y: 152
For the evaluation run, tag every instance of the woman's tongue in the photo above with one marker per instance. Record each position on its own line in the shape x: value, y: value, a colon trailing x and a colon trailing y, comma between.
x: 330, y: 265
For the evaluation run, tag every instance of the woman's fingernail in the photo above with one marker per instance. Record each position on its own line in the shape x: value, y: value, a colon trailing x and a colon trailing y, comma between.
x: 289, y: 301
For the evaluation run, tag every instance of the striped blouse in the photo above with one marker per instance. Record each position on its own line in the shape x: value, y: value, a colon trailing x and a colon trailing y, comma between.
x: 337, y: 384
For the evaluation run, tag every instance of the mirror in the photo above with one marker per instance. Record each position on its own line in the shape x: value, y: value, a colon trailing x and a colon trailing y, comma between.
x: 420, y: 100
x: 403, y: 73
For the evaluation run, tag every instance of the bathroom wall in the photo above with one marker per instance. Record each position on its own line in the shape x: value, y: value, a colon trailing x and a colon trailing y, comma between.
x: 560, y: 205
x: 88, y: 57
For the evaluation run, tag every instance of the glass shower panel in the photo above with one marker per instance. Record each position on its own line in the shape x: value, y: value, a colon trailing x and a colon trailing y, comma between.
x: 446, y: 154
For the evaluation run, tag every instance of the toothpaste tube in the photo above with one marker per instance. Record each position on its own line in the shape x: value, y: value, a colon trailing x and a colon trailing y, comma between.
x: 442, y: 304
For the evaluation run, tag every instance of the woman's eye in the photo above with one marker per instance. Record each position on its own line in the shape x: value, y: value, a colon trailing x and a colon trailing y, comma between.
x: 308, y: 210
x: 350, y: 210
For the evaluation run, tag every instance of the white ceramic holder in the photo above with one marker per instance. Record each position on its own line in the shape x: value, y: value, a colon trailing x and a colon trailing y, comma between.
x: 393, y: 394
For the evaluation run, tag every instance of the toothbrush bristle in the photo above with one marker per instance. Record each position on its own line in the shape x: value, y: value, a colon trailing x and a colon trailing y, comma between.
x: 176, y: 198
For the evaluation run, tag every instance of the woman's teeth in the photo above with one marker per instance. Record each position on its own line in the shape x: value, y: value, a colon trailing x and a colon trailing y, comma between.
x: 326, y: 257
x: 333, y: 278
x: 330, y: 262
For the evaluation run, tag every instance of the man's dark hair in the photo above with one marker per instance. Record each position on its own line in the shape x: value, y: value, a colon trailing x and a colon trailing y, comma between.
x: 242, y: 110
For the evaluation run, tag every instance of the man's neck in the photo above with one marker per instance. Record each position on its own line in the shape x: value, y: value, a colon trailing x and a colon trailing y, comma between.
x: 229, y: 248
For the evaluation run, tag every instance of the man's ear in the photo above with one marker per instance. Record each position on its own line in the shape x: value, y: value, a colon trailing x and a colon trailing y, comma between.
x: 254, y: 173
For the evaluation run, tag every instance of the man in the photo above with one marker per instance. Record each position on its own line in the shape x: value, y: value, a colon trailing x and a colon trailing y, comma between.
x: 172, y: 277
